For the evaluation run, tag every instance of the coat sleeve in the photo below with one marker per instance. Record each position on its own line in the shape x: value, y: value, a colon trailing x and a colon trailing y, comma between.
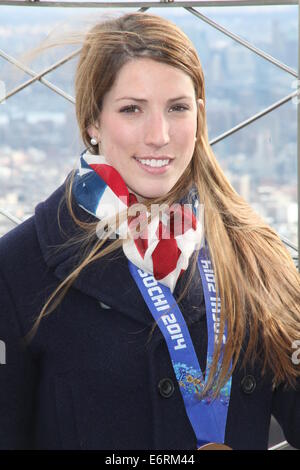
x: 286, y: 409
x: 18, y: 378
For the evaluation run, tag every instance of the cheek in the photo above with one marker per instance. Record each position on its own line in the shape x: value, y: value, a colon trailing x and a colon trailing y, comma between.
x: 185, y: 141
x: 116, y: 145
x: 186, y: 146
x: 121, y: 131
x: 116, y: 130
x: 122, y: 142
x: 186, y: 131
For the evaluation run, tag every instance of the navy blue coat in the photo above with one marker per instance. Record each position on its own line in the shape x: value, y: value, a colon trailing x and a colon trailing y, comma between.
x: 90, y: 379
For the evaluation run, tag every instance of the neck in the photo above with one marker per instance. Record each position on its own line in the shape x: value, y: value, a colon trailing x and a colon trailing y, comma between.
x: 138, y: 196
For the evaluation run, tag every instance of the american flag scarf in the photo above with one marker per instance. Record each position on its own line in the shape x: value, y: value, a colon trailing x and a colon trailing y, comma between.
x: 165, y: 246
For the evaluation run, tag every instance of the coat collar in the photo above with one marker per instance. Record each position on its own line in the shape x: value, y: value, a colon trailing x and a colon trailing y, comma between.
x: 108, y: 279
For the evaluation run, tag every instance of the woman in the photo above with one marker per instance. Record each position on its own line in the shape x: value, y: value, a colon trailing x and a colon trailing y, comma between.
x: 110, y: 360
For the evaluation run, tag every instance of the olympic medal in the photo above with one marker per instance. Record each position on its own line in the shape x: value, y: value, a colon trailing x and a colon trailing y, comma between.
x: 214, y: 446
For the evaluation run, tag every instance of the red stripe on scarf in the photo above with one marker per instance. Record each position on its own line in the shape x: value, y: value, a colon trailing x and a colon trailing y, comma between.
x: 113, y: 180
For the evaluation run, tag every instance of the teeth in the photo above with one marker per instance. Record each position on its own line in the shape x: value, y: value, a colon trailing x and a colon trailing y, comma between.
x: 153, y: 163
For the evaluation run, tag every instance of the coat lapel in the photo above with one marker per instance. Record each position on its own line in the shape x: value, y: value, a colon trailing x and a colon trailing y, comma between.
x: 108, y: 279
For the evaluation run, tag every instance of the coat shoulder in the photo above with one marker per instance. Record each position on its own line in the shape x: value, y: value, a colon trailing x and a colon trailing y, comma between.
x: 21, y: 256
x: 18, y: 240
x: 24, y: 275
x: 19, y: 372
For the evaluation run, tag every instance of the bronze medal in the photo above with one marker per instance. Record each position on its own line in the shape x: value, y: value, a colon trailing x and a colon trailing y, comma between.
x: 214, y: 446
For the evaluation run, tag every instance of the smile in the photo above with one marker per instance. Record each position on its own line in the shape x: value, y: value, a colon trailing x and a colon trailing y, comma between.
x: 154, y: 166
x: 153, y: 163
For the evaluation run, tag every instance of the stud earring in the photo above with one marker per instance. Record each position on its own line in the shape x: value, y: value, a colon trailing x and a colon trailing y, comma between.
x: 94, y: 141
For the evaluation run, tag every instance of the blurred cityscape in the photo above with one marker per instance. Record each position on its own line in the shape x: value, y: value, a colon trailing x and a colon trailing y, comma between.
x: 39, y: 140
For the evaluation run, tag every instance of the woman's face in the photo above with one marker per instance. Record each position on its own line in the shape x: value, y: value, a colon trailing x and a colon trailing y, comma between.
x: 149, y: 117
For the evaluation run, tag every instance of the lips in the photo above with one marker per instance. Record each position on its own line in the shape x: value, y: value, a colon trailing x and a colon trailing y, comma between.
x: 154, y: 157
x: 154, y: 170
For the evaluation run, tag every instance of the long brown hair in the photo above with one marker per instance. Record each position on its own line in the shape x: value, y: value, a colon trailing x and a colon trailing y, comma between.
x: 256, y: 279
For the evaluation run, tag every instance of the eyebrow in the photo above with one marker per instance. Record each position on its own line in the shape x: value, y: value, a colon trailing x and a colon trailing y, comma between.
x: 141, y: 99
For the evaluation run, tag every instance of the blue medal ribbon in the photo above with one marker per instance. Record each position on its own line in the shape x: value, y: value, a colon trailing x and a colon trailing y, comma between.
x: 207, y: 416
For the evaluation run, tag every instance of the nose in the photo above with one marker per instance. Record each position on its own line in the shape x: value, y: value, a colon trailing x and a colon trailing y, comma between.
x: 157, y: 130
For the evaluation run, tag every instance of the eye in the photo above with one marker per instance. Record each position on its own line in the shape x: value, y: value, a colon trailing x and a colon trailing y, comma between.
x: 129, y: 109
x: 185, y: 108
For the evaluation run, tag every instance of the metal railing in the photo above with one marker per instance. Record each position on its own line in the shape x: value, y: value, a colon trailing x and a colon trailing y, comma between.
x: 190, y: 8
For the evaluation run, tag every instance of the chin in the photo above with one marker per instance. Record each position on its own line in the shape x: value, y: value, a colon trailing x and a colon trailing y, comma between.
x: 152, y: 194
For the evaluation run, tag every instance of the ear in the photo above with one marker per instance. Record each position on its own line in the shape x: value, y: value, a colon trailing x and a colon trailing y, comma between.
x: 93, y: 131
